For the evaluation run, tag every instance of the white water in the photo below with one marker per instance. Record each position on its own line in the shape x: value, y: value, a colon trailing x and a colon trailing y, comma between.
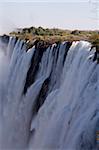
x: 69, y: 117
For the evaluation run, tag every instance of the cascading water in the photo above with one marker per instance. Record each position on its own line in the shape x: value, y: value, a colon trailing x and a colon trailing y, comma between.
x: 49, y: 99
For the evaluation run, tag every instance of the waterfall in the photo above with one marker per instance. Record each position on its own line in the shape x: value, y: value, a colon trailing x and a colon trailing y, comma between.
x: 49, y: 98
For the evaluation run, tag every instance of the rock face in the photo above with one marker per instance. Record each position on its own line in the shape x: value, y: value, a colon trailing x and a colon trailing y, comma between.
x: 4, y: 39
x: 42, y: 95
x: 75, y: 32
x: 67, y: 49
x: 40, y: 47
x: 96, y: 55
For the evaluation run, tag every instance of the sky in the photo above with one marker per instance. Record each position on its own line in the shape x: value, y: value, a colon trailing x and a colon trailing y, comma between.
x: 65, y: 14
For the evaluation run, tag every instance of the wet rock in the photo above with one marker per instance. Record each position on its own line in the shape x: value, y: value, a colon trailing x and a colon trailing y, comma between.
x: 68, y: 45
x: 40, y: 47
x: 42, y: 95
x: 75, y: 32
x: 4, y: 39
x: 96, y: 54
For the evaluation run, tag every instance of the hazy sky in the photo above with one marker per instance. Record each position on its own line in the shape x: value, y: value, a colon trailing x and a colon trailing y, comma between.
x: 68, y: 14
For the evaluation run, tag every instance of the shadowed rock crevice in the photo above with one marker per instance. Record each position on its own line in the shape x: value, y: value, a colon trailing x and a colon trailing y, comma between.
x: 5, y: 39
x: 42, y: 95
x: 40, y: 47
x: 68, y: 45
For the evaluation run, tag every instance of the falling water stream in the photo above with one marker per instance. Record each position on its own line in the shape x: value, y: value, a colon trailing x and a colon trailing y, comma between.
x: 49, y: 99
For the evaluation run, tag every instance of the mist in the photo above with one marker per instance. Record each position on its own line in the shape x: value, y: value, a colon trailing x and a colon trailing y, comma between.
x: 6, y: 26
x: 3, y: 61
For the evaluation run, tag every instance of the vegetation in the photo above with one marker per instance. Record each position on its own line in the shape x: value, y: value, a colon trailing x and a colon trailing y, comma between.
x: 94, y: 39
x: 55, y: 35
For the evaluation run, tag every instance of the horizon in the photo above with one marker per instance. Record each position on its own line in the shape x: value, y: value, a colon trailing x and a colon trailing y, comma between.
x: 64, y: 15
x: 15, y: 30
x: 19, y: 28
